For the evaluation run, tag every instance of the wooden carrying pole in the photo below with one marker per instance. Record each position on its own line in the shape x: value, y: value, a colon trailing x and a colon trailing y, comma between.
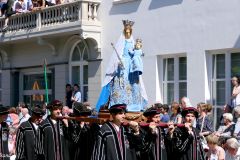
x: 103, y: 120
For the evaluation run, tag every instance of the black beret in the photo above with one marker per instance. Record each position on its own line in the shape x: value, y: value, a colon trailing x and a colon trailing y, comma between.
x: 192, y: 110
x: 79, y: 109
x: 4, y: 110
x: 151, y: 111
x: 38, y: 111
x: 55, y: 104
x: 118, y: 108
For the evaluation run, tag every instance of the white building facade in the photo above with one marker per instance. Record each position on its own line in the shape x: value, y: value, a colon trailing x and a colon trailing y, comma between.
x: 192, y: 48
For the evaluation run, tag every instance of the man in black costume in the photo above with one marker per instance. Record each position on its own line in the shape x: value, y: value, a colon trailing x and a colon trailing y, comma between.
x: 153, y: 137
x: 26, y: 136
x: 83, y: 135
x: 113, y: 142
x: 53, y: 134
x: 182, y: 143
x: 4, y: 131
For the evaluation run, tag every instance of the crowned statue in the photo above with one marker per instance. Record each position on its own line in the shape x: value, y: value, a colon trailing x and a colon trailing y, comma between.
x: 123, y: 82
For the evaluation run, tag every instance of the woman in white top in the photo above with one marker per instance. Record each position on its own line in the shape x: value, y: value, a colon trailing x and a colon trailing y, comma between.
x: 215, y: 152
x: 236, y: 91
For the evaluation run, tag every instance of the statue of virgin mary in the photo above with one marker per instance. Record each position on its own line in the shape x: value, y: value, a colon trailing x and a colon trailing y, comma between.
x: 117, y: 87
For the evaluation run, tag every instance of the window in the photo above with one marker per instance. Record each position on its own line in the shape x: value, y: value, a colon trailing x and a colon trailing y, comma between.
x: 235, y: 64
x: 174, y: 79
x: 34, y: 88
x: 79, y: 68
x: 223, y: 67
x: 36, y: 81
x: 218, y: 80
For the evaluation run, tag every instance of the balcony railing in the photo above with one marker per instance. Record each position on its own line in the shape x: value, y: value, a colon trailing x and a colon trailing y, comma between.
x: 81, y: 10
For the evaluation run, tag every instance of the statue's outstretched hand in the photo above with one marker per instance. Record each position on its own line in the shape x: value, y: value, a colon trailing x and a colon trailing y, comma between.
x: 120, y: 65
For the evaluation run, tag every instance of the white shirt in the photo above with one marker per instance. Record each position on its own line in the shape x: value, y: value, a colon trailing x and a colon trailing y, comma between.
x: 28, y: 4
x: 53, y: 121
x: 77, y: 96
x: 236, y: 100
x: 35, y: 126
x: 116, y: 127
x: 52, y: 1
x: 25, y: 118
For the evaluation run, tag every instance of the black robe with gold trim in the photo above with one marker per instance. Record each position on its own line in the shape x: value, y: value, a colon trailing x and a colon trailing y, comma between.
x: 83, y: 139
x: 153, y: 147
x: 4, y: 151
x: 52, y: 141
x: 25, y: 141
x: 113, y: 145
x: 184, y: 146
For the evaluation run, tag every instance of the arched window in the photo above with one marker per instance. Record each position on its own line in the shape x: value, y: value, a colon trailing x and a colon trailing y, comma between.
x: 79, y: 67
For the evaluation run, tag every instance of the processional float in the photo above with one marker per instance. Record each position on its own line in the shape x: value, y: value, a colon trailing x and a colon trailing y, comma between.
x: 123, y: 82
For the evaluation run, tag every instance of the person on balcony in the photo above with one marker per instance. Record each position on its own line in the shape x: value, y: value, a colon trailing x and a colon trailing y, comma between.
x: 28, y: 5
x: 19, y: 6
x: 47, y: 3
x: 37, y: 4
x: 3, y: 4
x: 7, y: 10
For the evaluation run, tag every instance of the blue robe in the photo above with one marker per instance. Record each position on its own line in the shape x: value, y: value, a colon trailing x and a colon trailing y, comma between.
x: 136, y: 64
x: 122, y: 88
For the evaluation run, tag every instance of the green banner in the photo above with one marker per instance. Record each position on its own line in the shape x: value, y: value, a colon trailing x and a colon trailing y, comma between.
x: 46, y: 80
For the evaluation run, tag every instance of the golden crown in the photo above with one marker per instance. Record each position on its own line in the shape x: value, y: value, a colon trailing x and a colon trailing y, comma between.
x: 128, y: 23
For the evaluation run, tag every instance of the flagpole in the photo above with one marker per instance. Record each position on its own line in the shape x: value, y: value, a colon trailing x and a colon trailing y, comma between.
x: 46, y: 81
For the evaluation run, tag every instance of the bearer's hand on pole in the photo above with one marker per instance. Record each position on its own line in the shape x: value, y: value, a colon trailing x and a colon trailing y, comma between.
x: 65, y: 121
x: 134, y: 126
x: 153, y: 127
x: 171, y: 128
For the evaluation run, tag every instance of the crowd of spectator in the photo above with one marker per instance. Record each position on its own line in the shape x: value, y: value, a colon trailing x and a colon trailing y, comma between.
x: 10, y: 7
x: 222, y: 142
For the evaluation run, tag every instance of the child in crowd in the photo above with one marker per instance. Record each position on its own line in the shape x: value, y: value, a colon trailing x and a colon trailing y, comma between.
x: 215, y: 152
x: 165, y: 118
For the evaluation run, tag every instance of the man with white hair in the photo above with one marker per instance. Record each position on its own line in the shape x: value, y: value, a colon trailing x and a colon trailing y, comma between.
x: 185, y: 102
x: 232, y: 149
x: 227, y: 129
x: 25, y: 114
x: 65, y: 111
